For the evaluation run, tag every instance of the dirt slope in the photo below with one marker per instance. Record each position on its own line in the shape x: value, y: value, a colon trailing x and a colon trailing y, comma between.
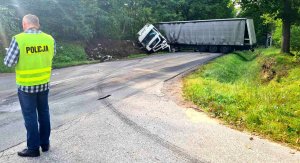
x: 98, y: 48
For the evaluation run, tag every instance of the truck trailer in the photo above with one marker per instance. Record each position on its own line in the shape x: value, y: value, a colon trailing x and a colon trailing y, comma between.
x: 216, y: 35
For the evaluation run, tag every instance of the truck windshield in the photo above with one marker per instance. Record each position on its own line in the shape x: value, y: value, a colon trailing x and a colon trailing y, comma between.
x: 149, y: 37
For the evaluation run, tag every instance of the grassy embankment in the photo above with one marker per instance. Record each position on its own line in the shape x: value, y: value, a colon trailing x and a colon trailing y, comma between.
x: 3, y: 68
x: 133, y: 56
x: 68, y: 54
x: 257, y: 91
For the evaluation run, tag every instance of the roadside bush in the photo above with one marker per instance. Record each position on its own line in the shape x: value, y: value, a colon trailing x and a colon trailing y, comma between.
x: 3, y: 68
x: 295, y: 43
x: 68, y: 54
x: 277, y: 34
x: 8, y: 25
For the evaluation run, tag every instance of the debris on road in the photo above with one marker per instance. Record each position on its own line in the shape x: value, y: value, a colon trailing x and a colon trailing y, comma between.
x: 107, y: 49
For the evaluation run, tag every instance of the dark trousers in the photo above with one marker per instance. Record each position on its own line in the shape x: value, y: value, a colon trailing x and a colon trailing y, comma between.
x: 35, y: 110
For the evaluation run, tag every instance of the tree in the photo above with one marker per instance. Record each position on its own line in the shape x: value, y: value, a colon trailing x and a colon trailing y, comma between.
x: 286, y: 10
x: 84, y: 20
x: 261, y: 28
x: 8, y: 25
x: 206, y: 9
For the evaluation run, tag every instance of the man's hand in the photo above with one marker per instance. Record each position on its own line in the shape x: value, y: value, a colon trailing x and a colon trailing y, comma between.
x: 6, y: 49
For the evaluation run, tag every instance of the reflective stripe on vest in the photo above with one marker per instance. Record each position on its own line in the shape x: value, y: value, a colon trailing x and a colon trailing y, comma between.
x: 35, y: 60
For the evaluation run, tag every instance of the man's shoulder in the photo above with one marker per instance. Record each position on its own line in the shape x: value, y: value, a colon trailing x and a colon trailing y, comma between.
x: 48, y: 35
x: 18, y: 35
x: 45, y: 33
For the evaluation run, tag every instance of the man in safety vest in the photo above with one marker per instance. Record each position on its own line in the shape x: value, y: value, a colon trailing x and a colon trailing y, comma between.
x: 32, y: 52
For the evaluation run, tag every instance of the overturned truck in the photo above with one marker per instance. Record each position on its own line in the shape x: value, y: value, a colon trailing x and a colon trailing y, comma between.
x: 217, y: 35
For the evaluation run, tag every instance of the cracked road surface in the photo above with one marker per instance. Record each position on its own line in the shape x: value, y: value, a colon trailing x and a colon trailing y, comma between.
x: 117, y: 112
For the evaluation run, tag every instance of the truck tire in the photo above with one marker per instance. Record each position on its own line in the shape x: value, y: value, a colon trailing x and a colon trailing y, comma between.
x: 225, y: 49
x: 149, y: 52
x: 173, y: 50
x: 202, y: 48
x: 213, y: 49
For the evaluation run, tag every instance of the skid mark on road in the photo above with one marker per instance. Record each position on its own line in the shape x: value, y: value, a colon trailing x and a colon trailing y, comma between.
x: 179, y: 151
x: 168, y: 145
x: 139, y: 66
x: 192, y: 68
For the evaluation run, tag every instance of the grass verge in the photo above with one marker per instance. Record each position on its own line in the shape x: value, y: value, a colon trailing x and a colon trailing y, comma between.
x: 132, y: 56
x: 3, y: 68
x: 257, y: 91
x: 68, y: 54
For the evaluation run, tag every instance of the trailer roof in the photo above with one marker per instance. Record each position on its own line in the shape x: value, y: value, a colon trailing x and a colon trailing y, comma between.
x: 209, y: 20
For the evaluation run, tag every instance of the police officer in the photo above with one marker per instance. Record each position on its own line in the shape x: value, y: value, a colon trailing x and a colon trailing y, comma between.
x: 31, y: 52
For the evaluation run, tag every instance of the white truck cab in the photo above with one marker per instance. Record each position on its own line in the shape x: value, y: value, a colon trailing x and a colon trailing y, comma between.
x: 151, y: 39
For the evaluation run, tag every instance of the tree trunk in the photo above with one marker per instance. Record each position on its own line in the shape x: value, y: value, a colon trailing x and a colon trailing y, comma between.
x: 286, y: 27
x: 286, y: 35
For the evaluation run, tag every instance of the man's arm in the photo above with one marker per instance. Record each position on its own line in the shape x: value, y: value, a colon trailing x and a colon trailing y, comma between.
x: 54, y: 47
x: 12, y: 54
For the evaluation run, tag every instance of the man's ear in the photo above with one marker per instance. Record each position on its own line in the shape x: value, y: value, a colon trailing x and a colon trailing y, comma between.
x: 24, y: 24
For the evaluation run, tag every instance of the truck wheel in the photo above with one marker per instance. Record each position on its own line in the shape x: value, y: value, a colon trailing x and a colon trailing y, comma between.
x: 173, y: 49
x: 149, y: 52
x: 202, y: 49
x: 225, y: 49
x: 213, y: 49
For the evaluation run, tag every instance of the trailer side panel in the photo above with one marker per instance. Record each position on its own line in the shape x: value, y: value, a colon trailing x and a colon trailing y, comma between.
x: 229, y: 32
x: 251, y: 30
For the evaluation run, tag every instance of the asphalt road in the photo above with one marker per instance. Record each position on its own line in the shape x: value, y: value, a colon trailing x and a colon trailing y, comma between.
x: 116, y: 112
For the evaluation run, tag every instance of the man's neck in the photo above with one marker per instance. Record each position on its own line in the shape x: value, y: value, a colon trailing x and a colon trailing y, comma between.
x: 31, y: 28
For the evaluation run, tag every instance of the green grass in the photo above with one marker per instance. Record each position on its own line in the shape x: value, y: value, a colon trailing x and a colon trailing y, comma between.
x: 72, y: 63
x: 235, y: 88
x: 3, y: 68
x: 68, y: 54
x: 132, y: 56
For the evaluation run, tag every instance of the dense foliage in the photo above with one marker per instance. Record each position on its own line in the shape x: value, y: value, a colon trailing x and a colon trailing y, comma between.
x: 122, y: 19
x: 286, y: 10
x: 295, y: 37
x: 117, y: 19
x: 8, y: 24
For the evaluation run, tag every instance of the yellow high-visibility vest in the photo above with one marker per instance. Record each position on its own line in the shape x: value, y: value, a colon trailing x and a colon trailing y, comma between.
x: 35, y: 60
